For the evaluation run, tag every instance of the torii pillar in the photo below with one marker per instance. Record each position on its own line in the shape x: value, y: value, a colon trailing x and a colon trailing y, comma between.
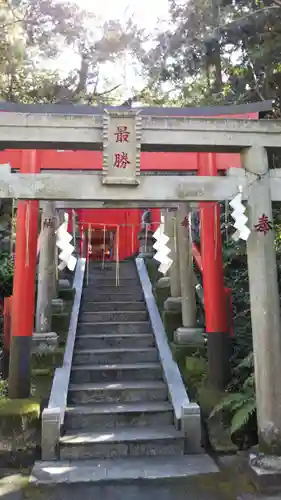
x: 43, y: 337
x: 189, y: 333
x: 213, y: 281
x: 265, y: 305
x: 23, y: 304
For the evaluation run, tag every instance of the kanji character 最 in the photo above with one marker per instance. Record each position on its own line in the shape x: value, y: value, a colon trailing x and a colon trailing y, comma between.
x: 122, y: 134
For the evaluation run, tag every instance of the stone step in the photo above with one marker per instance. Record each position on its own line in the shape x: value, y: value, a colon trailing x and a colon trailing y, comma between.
x: 119, y: 392
x: 122, y: 286
x: 111, y: 356
x: 111, y: 266
x: 112, y: 306
x: 130, y: 474
x: 126, y: 274
x: 113, y: 327
x: 114, y: 296
x: 122, y: 442
x: 97, y: 281
x: 116, y: 316
x: 107, y: 340
x: 115, y: 373
x: 113, y: 415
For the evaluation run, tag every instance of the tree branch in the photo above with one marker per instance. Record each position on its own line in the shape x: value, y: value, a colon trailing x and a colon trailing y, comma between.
x: 254, y: 75
x: 100, y: 94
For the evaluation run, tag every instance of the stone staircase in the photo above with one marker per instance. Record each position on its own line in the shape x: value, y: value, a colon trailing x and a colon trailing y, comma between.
x: 120, y: 429
x: 117, y: 401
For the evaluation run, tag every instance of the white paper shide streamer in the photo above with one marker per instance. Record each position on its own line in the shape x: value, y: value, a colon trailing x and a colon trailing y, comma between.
x: 63, y: 243
x: 242, y: 231
x: 162, y: 251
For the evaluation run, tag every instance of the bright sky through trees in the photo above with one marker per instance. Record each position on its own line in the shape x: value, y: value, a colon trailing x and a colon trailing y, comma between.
x: 147, y: 14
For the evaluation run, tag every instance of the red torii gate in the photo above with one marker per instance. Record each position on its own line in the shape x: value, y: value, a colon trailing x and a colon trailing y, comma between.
x: 204, y: 164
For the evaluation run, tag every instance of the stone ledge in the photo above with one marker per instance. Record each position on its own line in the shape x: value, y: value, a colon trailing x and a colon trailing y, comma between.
x: 187, y: 414
x: 163, y: 283
x: 58, y: 306
x: 265, y: 472
x: 64, y: 284
x: 53, y: 415
x: 189, y: 336
x: 42, y: 342
x: 173, y: 304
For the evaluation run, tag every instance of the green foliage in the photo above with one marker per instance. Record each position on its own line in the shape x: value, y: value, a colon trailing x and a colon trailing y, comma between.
x: 6, y: 269
x: 3, y: 388
x: 218, y: 53
x: 241, y: 406
x: 6, y: 276
x: 6, y: 284
x: 34, y: 33
x: 194, y: 373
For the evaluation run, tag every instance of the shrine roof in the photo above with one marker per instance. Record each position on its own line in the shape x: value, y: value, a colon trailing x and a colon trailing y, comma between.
x: 75, y: 109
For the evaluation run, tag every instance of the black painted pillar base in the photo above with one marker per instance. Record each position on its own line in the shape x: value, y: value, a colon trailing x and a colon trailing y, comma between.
x: 19, y: 381
x: 219, y: 350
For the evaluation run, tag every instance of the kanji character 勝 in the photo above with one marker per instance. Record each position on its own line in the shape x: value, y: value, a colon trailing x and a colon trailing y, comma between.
x: 121, y: 160
x: 264, y: 225
x: 122, y: 134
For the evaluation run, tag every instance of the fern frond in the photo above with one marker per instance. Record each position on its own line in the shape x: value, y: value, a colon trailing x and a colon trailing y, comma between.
x: 250, y: 383
x: 242, y: 416
x: 247, y: 362
x: 230, y: 402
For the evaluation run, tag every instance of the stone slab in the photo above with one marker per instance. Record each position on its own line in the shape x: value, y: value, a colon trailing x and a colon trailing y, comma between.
x: 112, y: 306
x: 189, y: 336
x: 64, y: 284
x: 120, y: 392
x: 111, y: 294
x: 116, y: 316
x: 163, y: 282
x: 173, y: 304
x: 115, y: 415
x: 265, y: 472
x: 134, y: 327
x: 57, y: 306
x: 42, y: 342
x: 106, y: 450
x: 115, y: 355
x: 114, y: 373
x: 133, y: 468
x: 114, y: 340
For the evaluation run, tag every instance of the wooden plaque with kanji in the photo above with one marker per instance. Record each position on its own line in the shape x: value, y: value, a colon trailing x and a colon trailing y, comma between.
x: 121, y: 147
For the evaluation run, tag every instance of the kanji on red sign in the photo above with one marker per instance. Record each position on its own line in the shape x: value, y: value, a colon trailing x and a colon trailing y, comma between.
x: 121, y: 160
x: 185, y: 222
x: 122, y: 134
x: 264, y: 225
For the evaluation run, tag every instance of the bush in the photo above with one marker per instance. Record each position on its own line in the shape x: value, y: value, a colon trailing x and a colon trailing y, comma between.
x: 6, y: 274
x: 6, y: 284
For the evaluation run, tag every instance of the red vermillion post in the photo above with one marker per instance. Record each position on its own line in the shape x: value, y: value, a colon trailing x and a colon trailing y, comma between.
x: 22, y: 323
x: 213, y: 280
